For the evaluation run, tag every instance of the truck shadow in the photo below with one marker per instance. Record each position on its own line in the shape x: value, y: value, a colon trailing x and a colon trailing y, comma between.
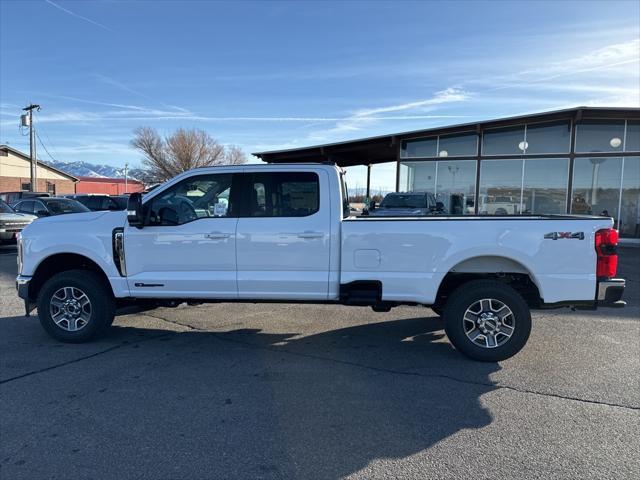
x: 246, y: 404
x: 325, y: 405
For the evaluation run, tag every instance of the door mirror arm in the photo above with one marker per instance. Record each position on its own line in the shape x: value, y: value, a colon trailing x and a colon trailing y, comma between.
x: 135, y: 215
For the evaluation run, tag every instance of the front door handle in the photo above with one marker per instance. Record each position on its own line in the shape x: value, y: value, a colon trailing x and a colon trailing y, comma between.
x: 310, y: 235
x: 217, y: 235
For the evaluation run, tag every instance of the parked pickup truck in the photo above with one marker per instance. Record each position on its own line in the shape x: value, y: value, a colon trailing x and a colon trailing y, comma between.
x: 283, y: 233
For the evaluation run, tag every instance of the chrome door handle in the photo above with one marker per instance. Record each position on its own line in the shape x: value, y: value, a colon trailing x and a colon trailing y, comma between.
x: 217, y: 235
x: 310, y: 235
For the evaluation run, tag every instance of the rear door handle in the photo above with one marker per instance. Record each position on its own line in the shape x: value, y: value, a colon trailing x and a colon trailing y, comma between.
x: 310, y: 235
x: 217, y: 235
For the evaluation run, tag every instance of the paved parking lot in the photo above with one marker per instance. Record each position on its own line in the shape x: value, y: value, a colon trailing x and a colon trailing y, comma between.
x: 297, y: 391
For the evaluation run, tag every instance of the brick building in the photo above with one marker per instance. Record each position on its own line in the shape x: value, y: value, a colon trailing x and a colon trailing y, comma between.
x: 15, y: 174
x: 109, y: 186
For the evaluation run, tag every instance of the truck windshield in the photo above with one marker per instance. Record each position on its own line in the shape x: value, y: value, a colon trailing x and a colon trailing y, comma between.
x: 404, y: 201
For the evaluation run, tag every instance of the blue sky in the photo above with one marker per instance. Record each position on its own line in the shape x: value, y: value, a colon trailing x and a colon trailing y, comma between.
x: 271, y: 75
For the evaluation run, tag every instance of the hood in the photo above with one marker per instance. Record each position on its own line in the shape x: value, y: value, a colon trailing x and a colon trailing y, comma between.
x: 16, y: 217
x: 76, y: 224
x: 73, y: 217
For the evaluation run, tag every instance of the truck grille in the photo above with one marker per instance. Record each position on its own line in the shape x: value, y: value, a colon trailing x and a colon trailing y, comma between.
x: 17, y: 226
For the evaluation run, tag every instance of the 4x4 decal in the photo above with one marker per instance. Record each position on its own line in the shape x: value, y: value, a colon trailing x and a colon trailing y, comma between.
x: 561, y: 235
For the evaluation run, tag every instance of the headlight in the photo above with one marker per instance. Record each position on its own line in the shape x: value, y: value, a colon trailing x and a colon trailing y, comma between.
x: 19, y: 258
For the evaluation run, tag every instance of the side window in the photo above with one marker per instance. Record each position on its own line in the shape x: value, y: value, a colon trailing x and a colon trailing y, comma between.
x: 25, y: 207
x: 201, y: 196
x: 39, y: 207
x: 92, y: 203
x: 284, y: 194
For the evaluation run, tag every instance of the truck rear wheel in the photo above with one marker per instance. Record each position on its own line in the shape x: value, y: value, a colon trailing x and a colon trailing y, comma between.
x: 75, y: 306
x: 487, y: 320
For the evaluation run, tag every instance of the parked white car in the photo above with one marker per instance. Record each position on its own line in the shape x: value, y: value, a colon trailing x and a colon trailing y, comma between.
x: 12, y: 223
x: 264, y: 233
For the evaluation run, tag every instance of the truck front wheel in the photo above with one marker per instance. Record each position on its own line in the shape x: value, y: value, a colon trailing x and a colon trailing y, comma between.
x: 487, y: 320
x: 75, y: 306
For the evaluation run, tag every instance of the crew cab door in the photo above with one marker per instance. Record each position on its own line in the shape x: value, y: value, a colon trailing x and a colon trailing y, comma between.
x: 283, y: 236
x: 187, y: 247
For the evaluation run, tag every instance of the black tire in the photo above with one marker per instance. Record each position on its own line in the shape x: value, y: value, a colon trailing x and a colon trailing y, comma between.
x: 99, y: 314
x: 437, y: 309
x: 470, y: 294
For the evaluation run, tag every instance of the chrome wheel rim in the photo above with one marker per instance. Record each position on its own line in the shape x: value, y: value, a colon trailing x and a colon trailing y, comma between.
x: 70, y: 309
x: 489, y: 323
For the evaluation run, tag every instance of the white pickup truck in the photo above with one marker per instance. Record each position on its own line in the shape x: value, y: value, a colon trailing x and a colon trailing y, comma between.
x: 283, y: 233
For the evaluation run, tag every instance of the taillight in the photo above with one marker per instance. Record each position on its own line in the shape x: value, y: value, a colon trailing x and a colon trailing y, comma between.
x: 606, y: 248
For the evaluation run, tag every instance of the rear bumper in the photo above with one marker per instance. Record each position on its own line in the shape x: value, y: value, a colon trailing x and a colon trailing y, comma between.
x: 609, y: 293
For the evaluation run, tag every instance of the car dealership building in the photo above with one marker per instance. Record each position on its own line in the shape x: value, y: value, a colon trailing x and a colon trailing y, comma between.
x: 581, y: 160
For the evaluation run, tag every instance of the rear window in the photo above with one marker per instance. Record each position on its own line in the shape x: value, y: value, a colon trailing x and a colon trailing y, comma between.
x: 284, y: 194
x: 60, y: 206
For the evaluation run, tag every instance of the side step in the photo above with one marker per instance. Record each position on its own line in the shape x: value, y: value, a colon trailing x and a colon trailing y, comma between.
x: 361, y: 293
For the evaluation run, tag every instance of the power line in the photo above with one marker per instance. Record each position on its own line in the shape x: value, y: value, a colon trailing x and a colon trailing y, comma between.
x: 45, y: 148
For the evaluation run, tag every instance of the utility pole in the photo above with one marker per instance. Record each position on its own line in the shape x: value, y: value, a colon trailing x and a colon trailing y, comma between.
x: 126, y: 186
x: 32, y: 147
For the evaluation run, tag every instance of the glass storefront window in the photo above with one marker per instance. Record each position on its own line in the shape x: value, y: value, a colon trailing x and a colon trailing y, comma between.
x: 632, y: 143
x: 629, y: 223
x: 599, y: 136
x: 500, y: 187
x: 596, y: 186
x: 427, y: 147
x: 545, y: 185
x: 504, y: 141
x: 458, y: 145
x: 456, y: 186
x: 548, y: 138
x: 417, y: 176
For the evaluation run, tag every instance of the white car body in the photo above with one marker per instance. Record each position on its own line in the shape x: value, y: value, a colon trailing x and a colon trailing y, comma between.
x: 323, y: 256
x: 309, y: 258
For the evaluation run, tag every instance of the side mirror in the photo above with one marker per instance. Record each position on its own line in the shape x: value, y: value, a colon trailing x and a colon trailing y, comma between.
x: 42, y: 213
x: 135, y: 216
x: 372, y: 205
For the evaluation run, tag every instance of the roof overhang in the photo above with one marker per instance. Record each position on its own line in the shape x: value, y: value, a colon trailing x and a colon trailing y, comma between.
x: 385, y: 148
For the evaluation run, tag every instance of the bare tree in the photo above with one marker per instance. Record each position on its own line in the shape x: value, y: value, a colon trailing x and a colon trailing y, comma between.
x: 183, y: 150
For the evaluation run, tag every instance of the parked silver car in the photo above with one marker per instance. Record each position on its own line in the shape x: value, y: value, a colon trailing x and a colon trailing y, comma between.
x: 12, y: 222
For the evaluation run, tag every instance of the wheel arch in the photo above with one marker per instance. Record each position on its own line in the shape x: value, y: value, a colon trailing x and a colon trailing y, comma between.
x: 61, y: 262
x: 494, y: 267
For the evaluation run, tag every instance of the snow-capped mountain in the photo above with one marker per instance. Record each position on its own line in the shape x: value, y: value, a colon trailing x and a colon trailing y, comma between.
x: 86, y: 169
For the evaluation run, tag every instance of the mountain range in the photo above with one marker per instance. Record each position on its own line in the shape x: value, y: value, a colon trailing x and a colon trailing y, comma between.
x: 86, y: 169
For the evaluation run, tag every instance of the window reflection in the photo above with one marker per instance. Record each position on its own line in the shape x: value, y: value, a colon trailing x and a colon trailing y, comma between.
x: 629, y: 224
x: 500, y: 187
x: 548, y: 138
x: 456, y: 186
x: 632, y: 143
x: 504, y: 141
x: 420, y: 148
x: 452, y: 182
x: 598, y: 136
x: 596, y: 186
x: 456, y: 145
x: 545, y: 185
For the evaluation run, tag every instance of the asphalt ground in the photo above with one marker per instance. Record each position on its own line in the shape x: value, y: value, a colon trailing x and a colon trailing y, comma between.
x: 302, y: 391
